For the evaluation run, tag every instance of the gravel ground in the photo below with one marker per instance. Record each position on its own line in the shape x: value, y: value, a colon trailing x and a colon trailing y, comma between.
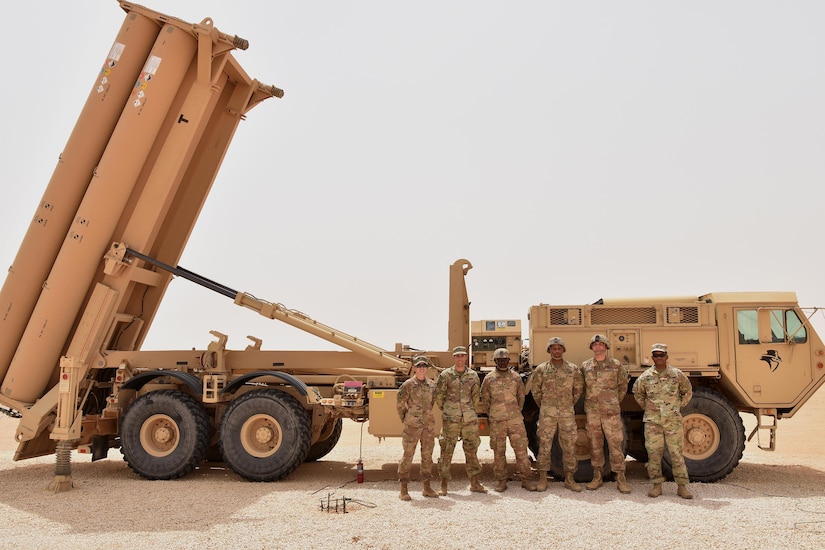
x: 771, y: 500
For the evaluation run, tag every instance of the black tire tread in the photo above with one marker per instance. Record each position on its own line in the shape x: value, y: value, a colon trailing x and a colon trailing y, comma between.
x: 193, y: 450
x: 288, y: 458
x: 731, y: 435
x: 322, y: 448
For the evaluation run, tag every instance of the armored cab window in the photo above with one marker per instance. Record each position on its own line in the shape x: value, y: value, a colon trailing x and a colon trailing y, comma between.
x: 777, y: 326
x: 785, y: 326
x: 770, y: 325
x: 795, y: 328
x: 748, y: 324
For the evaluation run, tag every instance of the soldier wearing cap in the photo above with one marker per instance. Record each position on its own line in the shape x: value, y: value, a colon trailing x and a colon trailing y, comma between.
x: 605, y: 383
x: 416, y: 398
x: 502, y: 398
x: 557, y: 385
x: 662, y: 391
x: 457, y: 395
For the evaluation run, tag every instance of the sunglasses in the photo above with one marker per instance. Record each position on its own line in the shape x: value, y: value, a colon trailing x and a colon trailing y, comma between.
x: 659, y: 354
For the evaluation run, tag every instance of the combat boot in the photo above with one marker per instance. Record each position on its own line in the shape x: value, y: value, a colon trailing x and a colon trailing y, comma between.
x: 597, y: 480
x: 443, y: 490
x: 542, y: 486
x: 528, y: 485
x: 683, y: 492
x: 501, y: 486
x: 656, y: 491
x: 621, y: 483
x: 475, y: 486
x: 404, y: 495
x: 428, y: 491
x: 571, y: 484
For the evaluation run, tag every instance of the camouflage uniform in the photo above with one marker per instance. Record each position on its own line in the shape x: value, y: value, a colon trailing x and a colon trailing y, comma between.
x: 415, y: 409
x: 605, y: 387
x: 662, y: 395
x: 457, y: 395
x: 556, y: 389
x: 502, y: 397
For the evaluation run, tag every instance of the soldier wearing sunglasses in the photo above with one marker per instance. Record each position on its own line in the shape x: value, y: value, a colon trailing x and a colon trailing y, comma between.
x: 662, y: 391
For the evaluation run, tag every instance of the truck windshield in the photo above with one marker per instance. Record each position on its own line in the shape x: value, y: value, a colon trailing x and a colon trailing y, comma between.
x: 785, y: 326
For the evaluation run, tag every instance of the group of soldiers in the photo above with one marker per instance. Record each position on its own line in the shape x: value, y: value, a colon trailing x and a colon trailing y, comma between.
x: 556, y: 386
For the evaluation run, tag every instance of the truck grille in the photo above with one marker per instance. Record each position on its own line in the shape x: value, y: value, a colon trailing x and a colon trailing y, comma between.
x: 565, y: 316
x: 682, y: 315
x: 623, y: 315
x: 610, y: 316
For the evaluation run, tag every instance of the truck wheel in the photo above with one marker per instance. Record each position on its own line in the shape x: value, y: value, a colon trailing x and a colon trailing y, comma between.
x: 265, y: 435
x: 584, y: 472
x: 530, y: 412
x: 714, y: 437
x: 321, y: 448
x: 634, y: 436
x: 164, y: 434
x: 583, y: 451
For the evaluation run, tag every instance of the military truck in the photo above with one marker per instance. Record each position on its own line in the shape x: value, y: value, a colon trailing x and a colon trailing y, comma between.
x: 100, y: 253
x: 103, y: 247
x: 744, y: 352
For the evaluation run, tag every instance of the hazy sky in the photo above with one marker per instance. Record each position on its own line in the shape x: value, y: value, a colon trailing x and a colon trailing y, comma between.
x: 570, y: 150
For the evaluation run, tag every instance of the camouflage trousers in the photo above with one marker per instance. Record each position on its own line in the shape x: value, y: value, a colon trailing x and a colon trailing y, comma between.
x: 656, y: 437
x: 568, y: 432
x: 608, y: 427
x: 410, y: 438
x: 470, y: 440
x: 500, y: 430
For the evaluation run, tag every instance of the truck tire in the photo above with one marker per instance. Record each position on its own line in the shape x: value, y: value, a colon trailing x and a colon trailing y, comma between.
x: 265, y: 435
x: 530, y: 413
x: 714, y: 437
x: 584, y: 471
x: 164, y: 434
x: 321, y: 448
x: 634, y: 432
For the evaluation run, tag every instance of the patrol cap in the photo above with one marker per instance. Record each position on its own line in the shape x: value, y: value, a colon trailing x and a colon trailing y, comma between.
x: 459, y: 350
x: 599, y: 338
x: 501, y: 353
x: 658, y: 347
x: 555, y: 340
x: 420, y: 361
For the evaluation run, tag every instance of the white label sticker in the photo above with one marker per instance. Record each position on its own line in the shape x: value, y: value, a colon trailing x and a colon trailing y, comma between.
x: 116, y: 51
x: 152, y: 65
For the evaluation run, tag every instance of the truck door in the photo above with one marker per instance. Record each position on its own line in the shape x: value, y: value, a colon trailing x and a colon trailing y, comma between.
x: 773, y: 352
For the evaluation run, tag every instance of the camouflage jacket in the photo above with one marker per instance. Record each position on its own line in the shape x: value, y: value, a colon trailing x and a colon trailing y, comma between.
x: 457, y: 395
x: 662, y: 395
x: 415, y: 402
x: 605, y: 385
x: 502, y: 395
x: 556, y: 388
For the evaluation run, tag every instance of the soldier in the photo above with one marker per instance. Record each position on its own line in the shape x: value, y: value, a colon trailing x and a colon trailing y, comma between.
x: 556, y: 387
x: 502, y: 397
x: 415, y: 408
x: 605, y: 381
x: 457, y: 395
x: 662, y: 391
